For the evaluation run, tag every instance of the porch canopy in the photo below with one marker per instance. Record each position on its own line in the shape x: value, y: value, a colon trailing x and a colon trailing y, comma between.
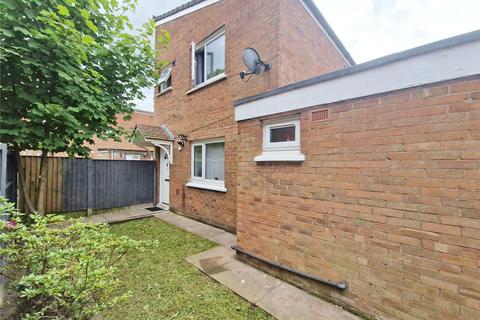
x: 153, y: 136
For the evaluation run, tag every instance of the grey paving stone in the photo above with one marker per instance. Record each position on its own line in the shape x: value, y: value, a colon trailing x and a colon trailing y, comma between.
x: 225, y: 239
x: 205, y: 231
x: 248, y: 282
x: 118, y: 216
x: 287, y: 302
x: 210, y: 260
x: 175, y: 219
x: 96, y: 219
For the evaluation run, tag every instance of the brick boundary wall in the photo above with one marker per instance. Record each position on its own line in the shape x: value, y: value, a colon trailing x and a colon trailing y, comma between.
x: 388, y: 199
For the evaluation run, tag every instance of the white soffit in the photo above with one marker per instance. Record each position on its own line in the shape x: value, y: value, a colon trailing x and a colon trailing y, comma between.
x: 186, y: 11
x: 444, y: 64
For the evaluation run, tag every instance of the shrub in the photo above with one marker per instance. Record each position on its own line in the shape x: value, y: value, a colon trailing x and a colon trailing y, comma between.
x: 61, y: 269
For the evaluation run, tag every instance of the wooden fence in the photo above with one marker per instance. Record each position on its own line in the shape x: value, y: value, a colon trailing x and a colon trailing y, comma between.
x: 84, y: 184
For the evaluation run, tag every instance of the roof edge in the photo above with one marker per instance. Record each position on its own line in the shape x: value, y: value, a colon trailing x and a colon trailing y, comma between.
x: 402, y: 55
x: 310, y: 6
x: 177, y: 10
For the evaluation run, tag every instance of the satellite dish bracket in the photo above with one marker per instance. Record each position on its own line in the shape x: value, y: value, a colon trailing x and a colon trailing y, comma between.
x: 258, y: 62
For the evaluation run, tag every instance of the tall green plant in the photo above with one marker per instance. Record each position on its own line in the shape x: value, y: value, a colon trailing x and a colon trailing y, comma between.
x: 68, y: 68
x: 62, y: 269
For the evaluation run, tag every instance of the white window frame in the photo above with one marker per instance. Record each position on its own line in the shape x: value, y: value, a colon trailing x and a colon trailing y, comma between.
x: 133, y: 156
x: 285, y: 145
x: 164, y: 81
x: 204, y: 43
x: 202, y: 182
x: 281, y: 151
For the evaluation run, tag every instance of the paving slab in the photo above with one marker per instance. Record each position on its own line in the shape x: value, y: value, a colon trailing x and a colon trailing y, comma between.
x: 201, y: 229
x: 225, y: 239
x: 96, y: 219
x: 287, y: 302
x: 205, y: 231
x: 220, y: 264
x: 119, y: 216
x: 280, y: 299
x: 175, y: 219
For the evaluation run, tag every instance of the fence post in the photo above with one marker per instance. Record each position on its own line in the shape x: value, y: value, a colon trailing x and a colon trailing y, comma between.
x: 90, y: 186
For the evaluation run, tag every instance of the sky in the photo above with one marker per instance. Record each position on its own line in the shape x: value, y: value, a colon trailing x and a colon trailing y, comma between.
x: 369, y: 29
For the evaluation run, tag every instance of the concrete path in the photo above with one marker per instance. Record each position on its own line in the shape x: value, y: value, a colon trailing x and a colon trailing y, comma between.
x: 130, y: 213
x: 275, y: 296
x: 203, y: 230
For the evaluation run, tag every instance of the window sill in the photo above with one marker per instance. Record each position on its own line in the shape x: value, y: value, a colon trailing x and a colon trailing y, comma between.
x: 164, y: 92
x: 206, y: 186
x: 213, y: 80
x: 286, y: 156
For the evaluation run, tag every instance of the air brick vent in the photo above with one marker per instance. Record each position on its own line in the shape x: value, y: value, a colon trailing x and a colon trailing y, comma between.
x: 320, y: 115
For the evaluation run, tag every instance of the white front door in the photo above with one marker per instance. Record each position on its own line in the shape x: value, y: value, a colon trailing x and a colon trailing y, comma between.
x: 164, y: 178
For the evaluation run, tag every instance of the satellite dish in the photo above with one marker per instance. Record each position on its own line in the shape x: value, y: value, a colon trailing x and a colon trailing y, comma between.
x: 254, y: 63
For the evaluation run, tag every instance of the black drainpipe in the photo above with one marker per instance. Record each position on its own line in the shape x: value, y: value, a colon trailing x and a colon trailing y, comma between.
x: 341, y: 285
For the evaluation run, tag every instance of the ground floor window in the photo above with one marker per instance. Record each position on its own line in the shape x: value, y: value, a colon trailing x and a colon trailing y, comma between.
x: 281, y: 141
x: 208, y: 165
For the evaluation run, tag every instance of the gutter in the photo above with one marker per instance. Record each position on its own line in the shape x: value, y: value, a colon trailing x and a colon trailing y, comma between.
x: 341, y: 285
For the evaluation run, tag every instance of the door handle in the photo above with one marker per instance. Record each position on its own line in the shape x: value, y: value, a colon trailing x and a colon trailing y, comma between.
x: 167, y: 180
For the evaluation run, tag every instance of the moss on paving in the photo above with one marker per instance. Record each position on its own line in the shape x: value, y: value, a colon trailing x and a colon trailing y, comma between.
x: 165, y: 286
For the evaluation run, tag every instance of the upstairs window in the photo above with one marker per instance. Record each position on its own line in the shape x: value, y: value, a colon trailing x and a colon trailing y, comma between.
x: 165, y: 82
x: 208, y: 59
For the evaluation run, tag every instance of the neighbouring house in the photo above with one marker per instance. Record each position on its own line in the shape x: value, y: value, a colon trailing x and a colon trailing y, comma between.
x: 116, y: 150
x: 124, y: 149
x: 358, y: 183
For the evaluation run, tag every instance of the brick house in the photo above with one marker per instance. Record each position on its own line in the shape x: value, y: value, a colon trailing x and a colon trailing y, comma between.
x: 115, y: 150
x: 359, y: 183
x: 124, y: 149
x: 196, y: 102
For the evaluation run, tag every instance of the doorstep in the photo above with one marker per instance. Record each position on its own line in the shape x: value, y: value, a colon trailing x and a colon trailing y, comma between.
x: 277, y: 297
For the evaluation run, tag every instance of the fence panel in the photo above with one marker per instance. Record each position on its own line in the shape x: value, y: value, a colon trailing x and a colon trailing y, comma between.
x: 81, y: 184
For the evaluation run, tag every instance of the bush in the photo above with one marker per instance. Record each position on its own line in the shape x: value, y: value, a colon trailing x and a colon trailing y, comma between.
x: 61, y: 269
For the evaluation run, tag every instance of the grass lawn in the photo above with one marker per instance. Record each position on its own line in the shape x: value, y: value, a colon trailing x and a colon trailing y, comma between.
x: 165, y: 286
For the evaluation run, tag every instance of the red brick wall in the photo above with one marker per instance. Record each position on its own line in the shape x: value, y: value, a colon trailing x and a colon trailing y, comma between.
x: 387, y: 199
x: 208, y: 113
x: 299, y: 31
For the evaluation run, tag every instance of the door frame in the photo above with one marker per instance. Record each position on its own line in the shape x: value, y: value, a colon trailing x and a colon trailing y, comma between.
x: 163, y: 162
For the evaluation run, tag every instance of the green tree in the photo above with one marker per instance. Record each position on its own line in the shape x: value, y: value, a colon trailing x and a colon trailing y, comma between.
x: 68, y: 68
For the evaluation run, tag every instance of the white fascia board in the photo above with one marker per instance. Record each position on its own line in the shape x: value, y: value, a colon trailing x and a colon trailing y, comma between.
x: 184, y: 12
x: 436, y: 66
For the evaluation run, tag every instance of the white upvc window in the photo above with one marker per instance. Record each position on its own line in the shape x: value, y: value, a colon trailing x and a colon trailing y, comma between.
x: 208, y: 165
x: 165, y: 81
x: 281, y: 141
x: 132, y: 157
x: 208, y: 59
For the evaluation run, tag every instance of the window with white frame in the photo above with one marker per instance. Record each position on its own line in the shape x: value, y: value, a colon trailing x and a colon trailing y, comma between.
x: 208, y: 59
x: 281, y: 141
x: 165, y: 81
x: 132, y: 157
x: 208, y: 165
